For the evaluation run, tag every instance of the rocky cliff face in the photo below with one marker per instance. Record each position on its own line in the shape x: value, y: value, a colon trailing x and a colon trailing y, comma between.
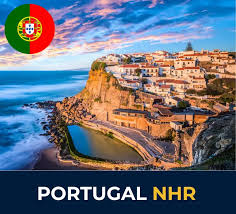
x: 101, y: 95
x: 217, y: 136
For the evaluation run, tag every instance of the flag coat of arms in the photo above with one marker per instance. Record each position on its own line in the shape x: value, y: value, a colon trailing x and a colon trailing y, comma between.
x: 29, y: 28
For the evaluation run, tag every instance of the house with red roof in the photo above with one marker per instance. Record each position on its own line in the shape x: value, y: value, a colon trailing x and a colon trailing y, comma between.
x: 129, y: 69
x: 150, y: 70
x: 134, y: 84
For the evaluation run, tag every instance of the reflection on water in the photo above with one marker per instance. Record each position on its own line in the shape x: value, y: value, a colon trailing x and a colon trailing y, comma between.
x: 95, y: 144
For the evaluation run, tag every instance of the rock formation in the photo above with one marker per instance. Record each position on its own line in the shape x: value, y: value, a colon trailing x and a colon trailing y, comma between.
x: 218, y: 135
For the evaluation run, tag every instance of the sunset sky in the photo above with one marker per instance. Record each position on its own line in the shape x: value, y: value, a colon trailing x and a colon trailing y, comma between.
x: 88, y: 29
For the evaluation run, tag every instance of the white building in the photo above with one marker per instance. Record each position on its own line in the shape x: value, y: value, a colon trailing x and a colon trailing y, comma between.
x: 134, y: 84
x: 181, y: 63
x: 129, y: 69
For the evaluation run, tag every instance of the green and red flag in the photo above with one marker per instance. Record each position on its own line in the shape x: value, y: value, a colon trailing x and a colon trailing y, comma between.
x: 29, y: 28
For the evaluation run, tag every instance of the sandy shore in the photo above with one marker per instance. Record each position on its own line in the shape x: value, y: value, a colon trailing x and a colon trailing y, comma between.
x: 48, y: 161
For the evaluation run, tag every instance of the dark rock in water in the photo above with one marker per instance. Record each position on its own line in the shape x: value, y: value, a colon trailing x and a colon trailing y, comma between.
x: 45, y: 127
x: 45, y: 134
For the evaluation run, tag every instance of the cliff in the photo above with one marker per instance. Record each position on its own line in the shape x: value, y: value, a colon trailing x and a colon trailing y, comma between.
x: 103, y: 93
x: 217, y: 139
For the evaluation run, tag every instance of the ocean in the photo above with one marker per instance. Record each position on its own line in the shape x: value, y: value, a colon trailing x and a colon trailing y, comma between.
x: 20, y: 128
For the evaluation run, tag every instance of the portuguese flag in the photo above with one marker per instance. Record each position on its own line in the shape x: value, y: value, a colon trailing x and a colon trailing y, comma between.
x: 29, y: 28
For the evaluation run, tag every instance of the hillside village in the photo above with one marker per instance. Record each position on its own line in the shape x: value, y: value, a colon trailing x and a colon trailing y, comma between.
x: 173, y: 77
x: 166, y: 99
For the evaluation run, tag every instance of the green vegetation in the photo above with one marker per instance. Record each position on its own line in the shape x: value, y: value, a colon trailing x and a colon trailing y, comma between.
x: 73, y: 151
x: 144, y: 81
x: 98, y: 66
x: 179, y: 162
x: 210, y: 103
x: 191, y: 91
x: 127, y: 60
x: 98, y: 100
x: 121, y: 88
x: 210, y: 76
x: 227, y: 98
x: 223, y: 161
x: 170, y: 135
x: 183, y: 104
x: 225, y: 83
x: 138, y: 72
x: 110, y: 135
x: 224, y: 87
x: 137, y: 106
x: 109, y: 75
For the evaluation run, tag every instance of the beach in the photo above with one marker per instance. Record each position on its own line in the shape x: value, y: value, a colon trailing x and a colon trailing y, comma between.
x: 48, y: 161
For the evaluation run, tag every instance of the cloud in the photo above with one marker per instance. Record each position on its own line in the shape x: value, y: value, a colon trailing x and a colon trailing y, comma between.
x: 94, y: 26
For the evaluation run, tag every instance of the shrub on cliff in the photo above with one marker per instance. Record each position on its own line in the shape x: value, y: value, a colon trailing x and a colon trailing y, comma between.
x: 98, y: 66
x: 170, y: 135
x: 191, y: 91
x: 127, y: 60
x: 210, y: 76
x: 227, y: 98
x: 183, y: 104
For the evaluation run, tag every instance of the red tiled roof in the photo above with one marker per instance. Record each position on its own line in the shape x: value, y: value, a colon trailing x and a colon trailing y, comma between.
x: 161, y: 106
x: 185, y: 60
x: 165, y: 66
x: 191, y: 68
x: 132, y: 81
x: 164, y: 86
x: 172, y: 81
x: 149, y: 66
x: 130, y: 66
x: 198, y: 78
x: 197, y: 54
x: 121, y: 80
x: 185, y: 68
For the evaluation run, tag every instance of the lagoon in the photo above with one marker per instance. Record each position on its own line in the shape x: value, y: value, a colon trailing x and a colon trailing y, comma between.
x: 95, y: 144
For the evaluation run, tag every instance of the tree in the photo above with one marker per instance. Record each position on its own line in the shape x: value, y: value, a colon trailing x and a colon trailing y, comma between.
x: 191, y: 91
x: 183, y: 104
x: 127, y: 60
x: 170, y: 135
x: 189, y: 47
x: 138, y: 72
x: 210, y: 76
x: 144, y: 81
x: 98, y: 66
x: 227, y: 98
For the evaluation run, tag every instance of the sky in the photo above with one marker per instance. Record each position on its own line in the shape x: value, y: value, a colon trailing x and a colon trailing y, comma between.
x: 88, y: 29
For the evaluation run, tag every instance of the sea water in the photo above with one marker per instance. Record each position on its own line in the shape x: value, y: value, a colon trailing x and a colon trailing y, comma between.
x: 20, y: 128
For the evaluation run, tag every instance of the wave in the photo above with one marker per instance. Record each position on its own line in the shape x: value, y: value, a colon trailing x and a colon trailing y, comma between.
x: 26, y: 141
x: 23, y: 153
x: 22, y: 91
x: 80, y: 77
